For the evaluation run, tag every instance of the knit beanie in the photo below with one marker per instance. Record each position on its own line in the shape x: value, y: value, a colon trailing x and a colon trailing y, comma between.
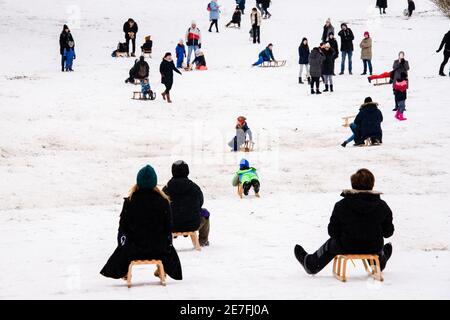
x: 146, y: 178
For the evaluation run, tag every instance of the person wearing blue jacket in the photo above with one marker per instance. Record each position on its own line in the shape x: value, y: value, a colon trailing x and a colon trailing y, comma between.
x: 265, y: 55
x: 181, y: 53
x: 303, y: 53
x: 214, y: 13
x: 69, y: 55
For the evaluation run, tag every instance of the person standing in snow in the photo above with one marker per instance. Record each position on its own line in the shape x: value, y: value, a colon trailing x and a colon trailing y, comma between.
x: 411, y: 7
x: 445, y: 43
x: 400, y: 65
x: 214, y: 13
x: 303, y: 60
x: 130, y: 28
x: 186, y: 200
x: 64, y: 38
x: 327, y: 67
x: 358, y: 225
x: 327, y: 30
x: 265, y: 4
x: 144, y: 230
x: 366, y: 52
x: 166, y: 68
x: 236, y: 18
x: 347, y: 38
x: 193, y: 40
x: 180, y: 51
x: 265, y: 55
x: 382, y: 5
x: 255, y: 19
x: 316, y: 59
x: 247, y: 177
x: 241, y: 5
x: 69, y: 55
x: 334, y: 44
x: 400, y: 88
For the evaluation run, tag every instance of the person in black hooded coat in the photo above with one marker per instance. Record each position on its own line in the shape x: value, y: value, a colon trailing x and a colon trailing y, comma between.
x: 144, y: 230
x: 140, y: 70
x: 368, y: 123
x: 64, y: 38
x: 358, y: 224
x: 445, y: 43
x: 186, y: 199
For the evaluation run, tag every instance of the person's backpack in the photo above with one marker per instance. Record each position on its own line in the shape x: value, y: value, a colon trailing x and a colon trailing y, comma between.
x: 208, y: 7
x: 142, y: 71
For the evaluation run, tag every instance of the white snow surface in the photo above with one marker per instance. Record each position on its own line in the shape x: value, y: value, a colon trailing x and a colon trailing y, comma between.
x: 72, y: 143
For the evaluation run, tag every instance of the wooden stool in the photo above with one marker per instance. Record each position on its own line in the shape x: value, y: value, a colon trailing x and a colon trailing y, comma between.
x: 247, y: 146
x: 193, y: 235
x: 340, y: 265
x: 158, y: 273
x: 137, y: 95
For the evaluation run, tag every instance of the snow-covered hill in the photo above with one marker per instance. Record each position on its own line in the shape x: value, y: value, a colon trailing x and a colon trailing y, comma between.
x: 71, y: 145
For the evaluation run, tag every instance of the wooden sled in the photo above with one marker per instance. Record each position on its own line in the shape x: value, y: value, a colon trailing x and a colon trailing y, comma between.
x: 273, y: 64
x: 160, y: 273
x: 381, y: 81
x: 347, y: 121
x: 192, y: 234
x: 247, y: 146
x: 122, y: 54
x: 233, y: 26
x: 340, y: 265
x: 137, y: 95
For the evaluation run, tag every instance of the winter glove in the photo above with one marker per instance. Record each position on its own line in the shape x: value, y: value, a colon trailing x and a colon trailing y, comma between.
x: 437, y: 51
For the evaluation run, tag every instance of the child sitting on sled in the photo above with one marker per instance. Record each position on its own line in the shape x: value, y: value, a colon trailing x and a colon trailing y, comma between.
x: 199, y: 61
x: 147, y: 92
x: 247, y: 177
x: 242, y: 130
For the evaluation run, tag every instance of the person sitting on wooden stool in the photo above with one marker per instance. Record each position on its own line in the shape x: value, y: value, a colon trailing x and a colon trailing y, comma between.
x: 144, y: 230
x: 358, y: 224
x: 186, y: 200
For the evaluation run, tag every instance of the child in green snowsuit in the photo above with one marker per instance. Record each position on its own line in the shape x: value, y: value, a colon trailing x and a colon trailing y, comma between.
x: 246, y: 176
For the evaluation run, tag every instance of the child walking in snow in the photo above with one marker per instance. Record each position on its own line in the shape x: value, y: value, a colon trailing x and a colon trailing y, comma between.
x: 400, y: 88
x: 181, y: 53
x: 242, y: 130
x: 247, y: 177
x: 69, y: 54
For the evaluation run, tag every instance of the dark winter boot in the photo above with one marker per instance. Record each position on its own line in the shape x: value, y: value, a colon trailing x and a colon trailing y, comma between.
x: 309, y: 80
x: 312, y: 91
x: 300, y: 80
x: 385, y: 255
x: 331, y: 87
x: 344, y: 144
x: 326, y: 88
x: 318, y: 91
x: 300, y: 255
x: 168, y: 97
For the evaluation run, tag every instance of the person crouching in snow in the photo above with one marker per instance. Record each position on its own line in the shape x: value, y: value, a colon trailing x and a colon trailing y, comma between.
x: 265, y: 55
x: 144, y: 229
x: 247, y: 177
x: 400, y: 88
x: 69, y: 54
x: 236, y: 18
x: 358, y: 224
x: 242, y: 130
x: 199, y: 61
x: 181, y: 53
x: 146, y: 91
x: 367, y: 124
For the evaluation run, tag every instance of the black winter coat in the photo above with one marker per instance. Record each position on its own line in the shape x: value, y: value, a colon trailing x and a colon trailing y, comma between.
x: 236, y: 17
x: 186, y: 200
x: 328, y: 63
x: 303, y: 54
x: 411, y: 6
x: 166, y: 68
x: 145, y: 222
x: 445, y: 42
x: 382, y: 4
x: 360, y: 221
x: 316, y: 58
x: 334, y: 44
x: 347, y: 38
x: 265, y: 3
x: 64, y: 39
x: 127, y: 28
x: 140, y: 70
x: 368, y: 123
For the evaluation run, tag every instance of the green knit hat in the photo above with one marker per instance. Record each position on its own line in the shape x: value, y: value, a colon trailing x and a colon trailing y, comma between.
x: 146, y: 178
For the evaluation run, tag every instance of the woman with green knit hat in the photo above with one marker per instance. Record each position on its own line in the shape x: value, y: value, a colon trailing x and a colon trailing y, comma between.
x: 144, y: 229
x: 245, y: 178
